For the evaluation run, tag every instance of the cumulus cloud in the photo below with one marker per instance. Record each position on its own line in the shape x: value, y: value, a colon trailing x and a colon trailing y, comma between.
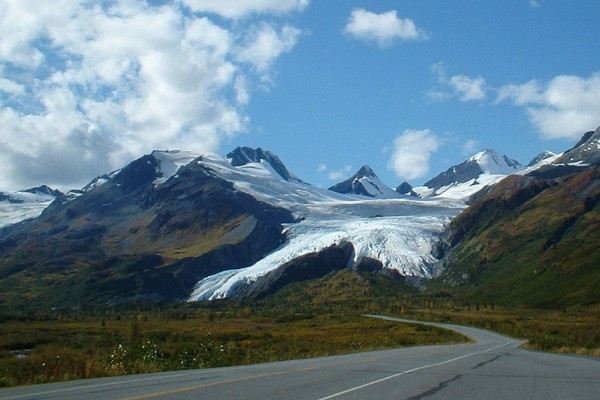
x: 470, y: 146
x: 336, y: 174
x: 264, y: 44
x: 564, y: 107
x: 462, y: 86
x: 468, y: 88
x: 87, y: 86
x: 411, y: 152
x: 382, y: 29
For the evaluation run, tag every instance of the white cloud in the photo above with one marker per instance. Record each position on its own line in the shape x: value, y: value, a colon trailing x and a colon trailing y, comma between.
x: 564, y: 107
x: 242, y: 8
x: 382, y: 29
x: 411, y: 152
x: 335, y: 175
x: 462, y: 86
x: 468, y: 88
x: 534, y: 3
x: 470, y: 146
x: 104, y: 83
x: 11, y: 87
x: 264, y: 44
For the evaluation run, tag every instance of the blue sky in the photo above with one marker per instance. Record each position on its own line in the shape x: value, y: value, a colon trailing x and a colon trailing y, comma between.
x: 408, y: 87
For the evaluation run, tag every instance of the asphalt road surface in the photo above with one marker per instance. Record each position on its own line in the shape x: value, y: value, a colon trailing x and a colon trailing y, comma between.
x: 491, y: 368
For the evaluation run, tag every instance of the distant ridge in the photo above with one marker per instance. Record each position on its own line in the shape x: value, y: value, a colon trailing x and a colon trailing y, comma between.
x: 365, y: 183
x: 244, y: 155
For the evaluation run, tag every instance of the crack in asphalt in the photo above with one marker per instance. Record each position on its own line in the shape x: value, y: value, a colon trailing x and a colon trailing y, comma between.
x: 481, y: 364
x: 436, y: 389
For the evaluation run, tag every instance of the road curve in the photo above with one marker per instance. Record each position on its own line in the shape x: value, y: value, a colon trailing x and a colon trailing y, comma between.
x: 492, y: 367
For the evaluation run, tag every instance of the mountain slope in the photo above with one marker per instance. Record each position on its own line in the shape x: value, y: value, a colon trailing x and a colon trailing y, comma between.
x: 461, y: 181
x: 530, y: 241
x: 137, y: 236
x: 365, y: 183
x: 247, y: 155
x: 25, y: 204
x: 178, y: 225
x: 586, y: 151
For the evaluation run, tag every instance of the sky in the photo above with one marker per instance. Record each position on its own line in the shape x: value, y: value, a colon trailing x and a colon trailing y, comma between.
x: 408, y: 87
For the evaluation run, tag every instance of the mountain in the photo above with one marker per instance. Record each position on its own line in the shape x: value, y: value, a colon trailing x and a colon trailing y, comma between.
x: 467, y: 178
x: 586, y: 151
x: 406, y: 189
x: 544, y: 156
x: 532, y: 240
x: 365, y: 183
x: 143, y: 235
x: 175, y: 225
x: 25, y: 204
x: 246, y: 155
x: 178, y: 225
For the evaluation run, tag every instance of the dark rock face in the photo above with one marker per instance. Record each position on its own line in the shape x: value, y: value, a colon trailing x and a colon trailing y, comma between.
x: 353, y: 185
x: 460, y: 173
x: 244, y: 155
x: 368, y: 264
x: 309, y: 266
x: 540, y: 157
x: 586, y: 151
x: 129, y: 240
x: 406, y: 189
x: 44, y: 189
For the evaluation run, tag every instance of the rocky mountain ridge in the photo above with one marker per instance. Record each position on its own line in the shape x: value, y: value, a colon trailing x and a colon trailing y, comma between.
x: 175, y: 225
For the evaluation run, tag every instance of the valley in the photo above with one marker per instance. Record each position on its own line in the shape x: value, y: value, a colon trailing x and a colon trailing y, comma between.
x: 183, y: 260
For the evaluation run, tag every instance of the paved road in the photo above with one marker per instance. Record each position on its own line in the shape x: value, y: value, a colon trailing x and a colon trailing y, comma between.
x: 491, y: 368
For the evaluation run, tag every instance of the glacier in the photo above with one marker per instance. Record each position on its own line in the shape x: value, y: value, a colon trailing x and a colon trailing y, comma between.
x: 399, y: 232
x: 22, y: 205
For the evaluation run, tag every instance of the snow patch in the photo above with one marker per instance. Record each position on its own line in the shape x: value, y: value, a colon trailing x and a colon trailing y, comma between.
x: 20, y: 206
x: 399, y: 232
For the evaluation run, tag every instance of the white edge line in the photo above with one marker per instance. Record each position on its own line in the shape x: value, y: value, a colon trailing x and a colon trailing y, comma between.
x: 411, y: 370
x: 85, y: 387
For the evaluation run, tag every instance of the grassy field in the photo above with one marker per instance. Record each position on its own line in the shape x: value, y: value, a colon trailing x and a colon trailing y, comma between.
x: 63, y: 347
x: 575, y: 330
x: 316, y: 318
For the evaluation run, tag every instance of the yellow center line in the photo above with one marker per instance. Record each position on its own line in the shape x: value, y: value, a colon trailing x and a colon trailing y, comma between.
x: 204, y: 385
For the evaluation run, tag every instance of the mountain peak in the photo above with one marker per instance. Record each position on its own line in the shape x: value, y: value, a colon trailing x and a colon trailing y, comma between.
x: 491, y: 162
x: 544, y: 155
x: 365, y: 183
x: 365, y: 172
x: 44, y: 189
x: 586, y: 151
x: 244, y: 155
x: 468, y: 177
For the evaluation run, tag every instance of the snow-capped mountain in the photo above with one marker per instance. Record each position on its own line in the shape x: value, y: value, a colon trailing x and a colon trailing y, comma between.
x: 245, y: 155
x: 193, y: 226
x: 179, y: 224
x: 469, y: 177
x: 365, y: 183
x: 586, y: 151
x: 25, y: 204
x: 398, y: 232
x: 544, y: 157
x: 406, y: 189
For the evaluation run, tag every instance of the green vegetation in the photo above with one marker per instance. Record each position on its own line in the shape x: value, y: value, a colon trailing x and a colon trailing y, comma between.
x: 314, y: 318
x: 531, y: 242
x: 575, y: 330
x: 48, y: 348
